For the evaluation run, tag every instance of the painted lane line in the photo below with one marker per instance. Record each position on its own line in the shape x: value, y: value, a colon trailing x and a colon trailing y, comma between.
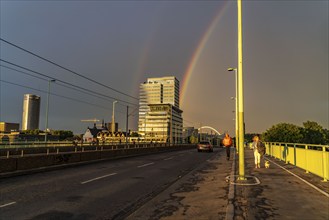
x: 97, y: 178
x: 145, y: 165
x: 310, y: 184
x: 8, y: 204
x: 169, y: 158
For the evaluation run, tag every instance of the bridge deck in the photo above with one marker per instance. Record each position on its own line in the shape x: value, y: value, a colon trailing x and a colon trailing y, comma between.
x: 280, y: 194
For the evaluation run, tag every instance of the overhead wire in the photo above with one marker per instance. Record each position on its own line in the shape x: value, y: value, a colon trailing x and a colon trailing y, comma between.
x: 79, y: 90
x: 54, y: 94
x: 71, y: 71
x: 44, y: 75
x: 61, y: 96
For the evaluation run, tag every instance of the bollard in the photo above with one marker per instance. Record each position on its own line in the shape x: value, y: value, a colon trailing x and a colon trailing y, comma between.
x: 75, y: 149
x: 22, y: 153
x: 57, y: 150
x: 83, y: 149
x: 47, y: 151
x: 7, y: 153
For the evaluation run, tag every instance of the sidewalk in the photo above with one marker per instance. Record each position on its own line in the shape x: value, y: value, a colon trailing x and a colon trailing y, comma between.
x: 206, y: 194
x: 280, y: 195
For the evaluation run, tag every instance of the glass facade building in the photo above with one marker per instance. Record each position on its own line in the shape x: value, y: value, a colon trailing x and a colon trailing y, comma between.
x: 31, y: 112
x: 160, y: 118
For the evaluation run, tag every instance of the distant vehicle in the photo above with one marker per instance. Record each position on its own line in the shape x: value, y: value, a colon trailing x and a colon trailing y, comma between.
x: 205, y: 146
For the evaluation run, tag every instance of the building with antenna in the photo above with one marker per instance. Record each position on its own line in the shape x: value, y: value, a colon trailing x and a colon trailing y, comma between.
x: 31, y: 112
x: 160, y: 118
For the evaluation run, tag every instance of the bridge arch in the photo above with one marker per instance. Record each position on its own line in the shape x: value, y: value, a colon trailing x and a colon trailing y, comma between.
x: 211, y: 128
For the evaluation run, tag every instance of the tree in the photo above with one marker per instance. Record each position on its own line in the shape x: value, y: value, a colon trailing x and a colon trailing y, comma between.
x: 326, y: 133
x: 62, y: 134
x: 313, y: 133
x: 284, y: 132
x: 249, y: 136
x: 134, y: 134
x: 32, y: 132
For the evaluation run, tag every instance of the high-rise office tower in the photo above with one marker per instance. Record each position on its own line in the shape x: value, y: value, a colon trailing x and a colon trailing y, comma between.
x: 160, y: 118
x: 31, y: 112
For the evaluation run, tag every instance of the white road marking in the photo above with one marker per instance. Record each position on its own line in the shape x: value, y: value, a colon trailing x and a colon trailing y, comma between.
x: 145, y: 165
x: 310, y: 184
x: 97, y: 178
x: 8, y: 204
x: 169, y: 158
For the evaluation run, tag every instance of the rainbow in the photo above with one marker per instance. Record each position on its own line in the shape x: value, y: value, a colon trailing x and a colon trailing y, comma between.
x: 198, y: 51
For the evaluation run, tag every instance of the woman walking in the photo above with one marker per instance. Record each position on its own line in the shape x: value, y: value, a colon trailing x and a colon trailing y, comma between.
x: 257, y: 155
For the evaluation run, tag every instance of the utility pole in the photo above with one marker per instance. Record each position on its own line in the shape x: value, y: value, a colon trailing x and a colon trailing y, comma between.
x: 127, y: 125
x: 113, y: 121
x: 47, y: 108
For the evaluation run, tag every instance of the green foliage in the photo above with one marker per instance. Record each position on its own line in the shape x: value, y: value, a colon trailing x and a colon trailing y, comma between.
x: 32, y: 132
x: 283, y: 132
x: 311, y: 133
x: 249, y: 136
x: 134, y: 134
x: 62, y: 134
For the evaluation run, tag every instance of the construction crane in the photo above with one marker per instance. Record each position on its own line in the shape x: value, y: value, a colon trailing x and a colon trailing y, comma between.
x: 93, y: 120
x: 90, y: 120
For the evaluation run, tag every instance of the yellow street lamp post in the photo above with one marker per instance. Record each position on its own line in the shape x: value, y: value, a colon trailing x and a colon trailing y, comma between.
x: 240, y: 94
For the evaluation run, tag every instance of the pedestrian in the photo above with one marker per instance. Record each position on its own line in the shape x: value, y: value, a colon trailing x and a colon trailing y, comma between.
x: 227, y: 142
x: 257, y: 146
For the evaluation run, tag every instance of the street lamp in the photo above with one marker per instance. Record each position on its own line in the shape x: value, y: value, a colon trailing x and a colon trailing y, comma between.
x: 113, y: 122
x: 240, y: 95
x: 236, y: 107
x: 47, y: 108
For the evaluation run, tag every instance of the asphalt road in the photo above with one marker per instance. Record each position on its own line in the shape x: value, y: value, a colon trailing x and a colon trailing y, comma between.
x: 106, y: 190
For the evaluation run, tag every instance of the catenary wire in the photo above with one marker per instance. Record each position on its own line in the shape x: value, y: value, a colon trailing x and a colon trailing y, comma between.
x: 79, y: 90
x: 44, y: 75
x: 61, y: 96
x: 71, y: 71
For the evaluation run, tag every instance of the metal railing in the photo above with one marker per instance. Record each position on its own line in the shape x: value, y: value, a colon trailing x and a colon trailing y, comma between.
x: 310, y: 157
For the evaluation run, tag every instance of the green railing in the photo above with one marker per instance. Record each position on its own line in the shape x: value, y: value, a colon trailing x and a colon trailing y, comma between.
x: 310, y: 157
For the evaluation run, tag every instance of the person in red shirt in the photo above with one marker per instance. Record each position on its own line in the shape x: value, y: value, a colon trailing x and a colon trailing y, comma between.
x: 227, y: 142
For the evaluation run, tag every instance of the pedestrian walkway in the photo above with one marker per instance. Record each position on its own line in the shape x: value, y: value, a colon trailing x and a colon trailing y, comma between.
x: 280, y: 192
x: 273, y: 193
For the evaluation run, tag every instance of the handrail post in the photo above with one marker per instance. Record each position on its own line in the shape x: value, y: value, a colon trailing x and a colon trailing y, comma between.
x: 306, y: 149
x: 285, y: 152
x: 295, y: 155
x: 325, y: 164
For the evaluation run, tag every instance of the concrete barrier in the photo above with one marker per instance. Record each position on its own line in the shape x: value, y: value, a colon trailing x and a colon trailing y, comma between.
x: 58, y: 157
x: 26, y: 163
x: 8, y: 165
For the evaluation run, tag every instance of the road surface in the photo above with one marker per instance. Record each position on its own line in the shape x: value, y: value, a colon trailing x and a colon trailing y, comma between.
x: 111, y: 189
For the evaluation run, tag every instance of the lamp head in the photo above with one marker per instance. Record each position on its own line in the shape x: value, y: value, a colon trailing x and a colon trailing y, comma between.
x: 231, y: 69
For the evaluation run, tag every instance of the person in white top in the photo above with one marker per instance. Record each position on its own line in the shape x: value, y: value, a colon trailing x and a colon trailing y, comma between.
x: 256, y: 153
